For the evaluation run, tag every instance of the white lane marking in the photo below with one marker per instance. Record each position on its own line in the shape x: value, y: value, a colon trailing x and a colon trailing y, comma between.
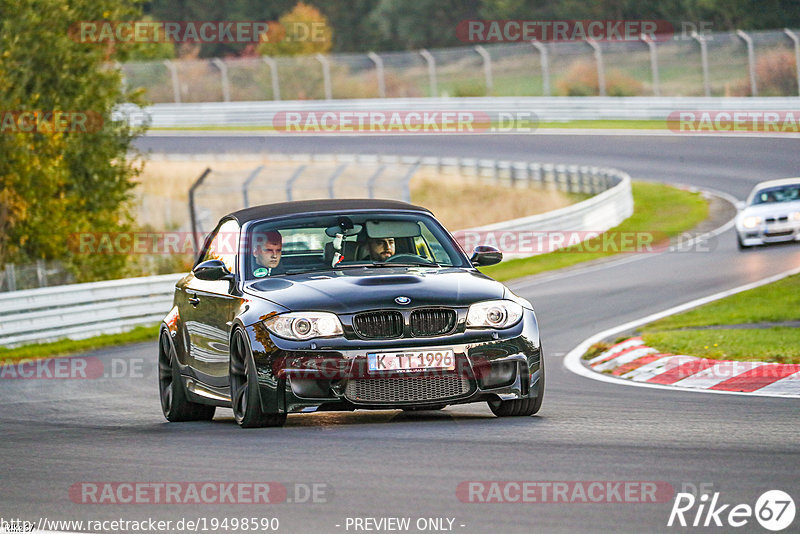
x: 786, y: 385
x: 572, y: 361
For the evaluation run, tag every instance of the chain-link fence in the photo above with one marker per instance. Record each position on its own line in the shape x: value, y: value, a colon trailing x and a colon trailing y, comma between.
x: 300, y: 177
x: 761, y: 63
x: 39, y: 274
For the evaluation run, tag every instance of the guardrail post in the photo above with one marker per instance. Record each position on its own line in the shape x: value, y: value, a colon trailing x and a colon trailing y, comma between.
x: 223, y: 72
x: 545, y: 62
x: 537, y: 174
x: 751, y: 61
x: 41, y: 273
x: 192, y: 214
x: 549, y: 176
x: 332, y: 180
x: 704, y: 60
x: 372, y: 179
x: 519, y: 174
x: 273, y: 74
x: 406, y: 181
x: 246, y: 184
x: 487, y: 68
x: 290, y: 182
x: 11, y: 278
x: 326, y: 75
x: 176, y: 83
x: 431, y: 61
x: 562, y: 178
x: 601, y: 71
x: 796, y: 41
x: 379, y: 72
x: 651, y: 45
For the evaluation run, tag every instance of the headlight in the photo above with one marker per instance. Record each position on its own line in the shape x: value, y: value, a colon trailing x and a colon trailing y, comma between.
x: 751, y: 222
x: 796, y: 216
x: 494, y: 314
x: 304, y: 325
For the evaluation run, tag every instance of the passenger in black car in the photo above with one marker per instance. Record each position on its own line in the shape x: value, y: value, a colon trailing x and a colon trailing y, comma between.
x: 267, y: 253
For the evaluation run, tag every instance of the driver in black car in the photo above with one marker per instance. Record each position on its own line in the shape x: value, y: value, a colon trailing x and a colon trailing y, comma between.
x: 381, y: 249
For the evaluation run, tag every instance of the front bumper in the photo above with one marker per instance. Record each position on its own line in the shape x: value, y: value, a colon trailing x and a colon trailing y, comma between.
x: 332, y: 374
x: 769, y: 233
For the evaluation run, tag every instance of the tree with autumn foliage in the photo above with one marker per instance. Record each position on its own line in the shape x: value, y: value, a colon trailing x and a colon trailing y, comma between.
x: 302, y: 31
x: 57, y: 184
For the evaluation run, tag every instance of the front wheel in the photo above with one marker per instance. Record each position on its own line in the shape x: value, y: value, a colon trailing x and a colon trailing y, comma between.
x: 174, y: 403
x: 245, y: 397
x: 521, y: 407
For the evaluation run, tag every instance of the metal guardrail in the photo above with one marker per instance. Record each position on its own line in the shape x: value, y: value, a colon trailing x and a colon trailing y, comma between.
x: 262, y: 114
x: 594, y: 215
x: 84, y: 310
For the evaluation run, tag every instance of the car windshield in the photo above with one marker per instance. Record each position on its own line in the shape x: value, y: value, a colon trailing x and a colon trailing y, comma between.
x: 348, y: 241
x: 784, y: 193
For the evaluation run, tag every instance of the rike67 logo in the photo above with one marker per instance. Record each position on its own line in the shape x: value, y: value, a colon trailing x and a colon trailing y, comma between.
x: 774, y: 510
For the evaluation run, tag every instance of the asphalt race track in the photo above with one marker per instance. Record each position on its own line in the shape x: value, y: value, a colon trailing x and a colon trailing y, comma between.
x: 56, y: 433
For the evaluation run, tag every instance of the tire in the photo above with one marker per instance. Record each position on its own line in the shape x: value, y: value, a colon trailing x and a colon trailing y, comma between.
x: 520, y: 407
x: 174, y: 403
x: 245, y: 396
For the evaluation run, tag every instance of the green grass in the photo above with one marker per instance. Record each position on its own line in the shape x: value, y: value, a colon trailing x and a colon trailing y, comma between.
x: 779, y: 301
x: 659, y: 209
x: 72, y: 346
x: 779, y: 344
x: 776, y: 302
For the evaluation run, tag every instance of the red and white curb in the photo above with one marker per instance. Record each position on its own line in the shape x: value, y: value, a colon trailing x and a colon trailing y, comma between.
x: 633, y: 360
x: 632, y: 363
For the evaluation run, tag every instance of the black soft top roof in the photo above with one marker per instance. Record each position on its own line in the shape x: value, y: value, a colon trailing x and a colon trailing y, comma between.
x: 303, y: 207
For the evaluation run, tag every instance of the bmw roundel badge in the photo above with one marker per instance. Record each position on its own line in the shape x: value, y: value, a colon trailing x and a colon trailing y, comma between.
x: 402, y: 300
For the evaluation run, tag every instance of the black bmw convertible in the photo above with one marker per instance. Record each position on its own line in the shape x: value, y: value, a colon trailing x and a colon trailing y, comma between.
x: 342, y: 305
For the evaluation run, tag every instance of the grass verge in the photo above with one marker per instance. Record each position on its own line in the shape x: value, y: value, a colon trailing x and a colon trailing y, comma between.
x: 71, y: 346
x: 659, y: 209
x: 778, y: 344
x: 688, y: 332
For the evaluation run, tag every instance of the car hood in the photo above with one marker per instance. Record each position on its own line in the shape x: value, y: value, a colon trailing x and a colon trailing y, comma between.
x: 775, y: 208
x: 353, y: 290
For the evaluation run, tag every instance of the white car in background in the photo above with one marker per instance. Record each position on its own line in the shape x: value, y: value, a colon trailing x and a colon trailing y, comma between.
x: 771, y: 214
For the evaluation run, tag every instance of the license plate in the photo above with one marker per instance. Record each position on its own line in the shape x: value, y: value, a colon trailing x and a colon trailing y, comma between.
x: 412, y: 360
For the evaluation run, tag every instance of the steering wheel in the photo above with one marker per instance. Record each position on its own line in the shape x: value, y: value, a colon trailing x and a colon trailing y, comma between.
x: 400, y: 258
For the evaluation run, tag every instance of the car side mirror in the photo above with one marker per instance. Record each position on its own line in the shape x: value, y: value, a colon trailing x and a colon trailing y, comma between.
x: 740, y: 205
x: 212, y: 270
x: 484, y: 255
